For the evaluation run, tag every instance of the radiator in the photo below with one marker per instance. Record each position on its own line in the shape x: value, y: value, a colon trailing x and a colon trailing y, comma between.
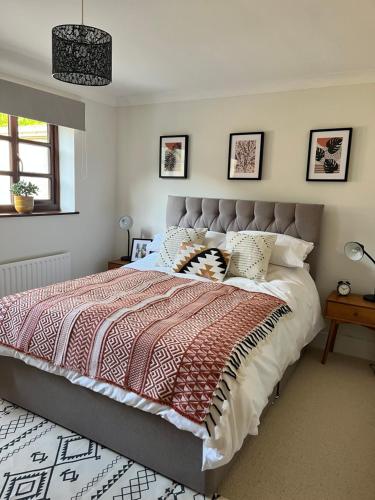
x: 34, y: 273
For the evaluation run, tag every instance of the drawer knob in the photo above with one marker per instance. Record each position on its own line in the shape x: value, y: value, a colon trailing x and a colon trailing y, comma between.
x: 355, y: 313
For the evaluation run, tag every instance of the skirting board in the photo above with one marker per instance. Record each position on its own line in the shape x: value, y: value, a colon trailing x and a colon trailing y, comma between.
x: 141, y: 436
x: 351, y: 341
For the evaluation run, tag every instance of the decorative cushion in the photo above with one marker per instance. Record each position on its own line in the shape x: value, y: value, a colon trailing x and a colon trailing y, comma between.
x: 288, y: 251
x: 211, y: 263
x: 174, y: 236
x: 250, y: 254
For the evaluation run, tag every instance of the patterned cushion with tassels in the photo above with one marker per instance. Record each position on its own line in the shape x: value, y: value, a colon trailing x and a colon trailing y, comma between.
x: 193, y: 258
x: 174, y: 236
x: 251, y: 254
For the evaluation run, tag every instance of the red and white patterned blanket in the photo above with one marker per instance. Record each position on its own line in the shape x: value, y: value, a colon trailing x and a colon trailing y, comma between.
x: 171, y: 340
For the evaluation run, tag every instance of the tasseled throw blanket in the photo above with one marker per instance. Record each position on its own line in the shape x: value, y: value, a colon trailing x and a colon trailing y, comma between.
x: 172, y: 340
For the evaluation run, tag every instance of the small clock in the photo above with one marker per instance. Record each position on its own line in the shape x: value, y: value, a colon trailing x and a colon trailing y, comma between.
x: 343, y: 288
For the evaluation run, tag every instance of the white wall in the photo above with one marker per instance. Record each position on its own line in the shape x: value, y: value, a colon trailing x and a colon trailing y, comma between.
x: 89, y: 236
x: 286, y: 119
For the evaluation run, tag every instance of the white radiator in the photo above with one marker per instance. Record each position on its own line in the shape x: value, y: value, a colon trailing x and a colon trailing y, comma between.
x: 34, y: 273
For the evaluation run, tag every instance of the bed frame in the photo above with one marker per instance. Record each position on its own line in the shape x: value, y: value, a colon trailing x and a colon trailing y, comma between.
x: 138, y: 435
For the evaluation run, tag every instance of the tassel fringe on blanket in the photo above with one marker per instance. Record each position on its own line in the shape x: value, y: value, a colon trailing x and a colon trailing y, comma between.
x: 240, y: 353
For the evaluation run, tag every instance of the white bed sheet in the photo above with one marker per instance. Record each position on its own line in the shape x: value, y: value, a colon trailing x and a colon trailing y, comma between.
x: 255, y: 379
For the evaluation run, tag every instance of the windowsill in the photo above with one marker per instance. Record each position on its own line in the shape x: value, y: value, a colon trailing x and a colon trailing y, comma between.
x: 37, y: 214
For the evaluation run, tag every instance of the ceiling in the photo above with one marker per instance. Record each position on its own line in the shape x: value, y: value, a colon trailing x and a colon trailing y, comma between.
x: 168, y: 50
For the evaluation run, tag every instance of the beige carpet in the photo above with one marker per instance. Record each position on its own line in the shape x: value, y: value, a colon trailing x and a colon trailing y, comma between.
x: 317, y: 442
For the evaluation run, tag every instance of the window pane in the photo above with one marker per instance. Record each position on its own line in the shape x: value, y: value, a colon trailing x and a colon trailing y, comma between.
x: 5, y: 196
x: 32, y: 130
x: 4, y: 124
x: 43, y: 184
x: 34, y: 159
x: 4, y: 155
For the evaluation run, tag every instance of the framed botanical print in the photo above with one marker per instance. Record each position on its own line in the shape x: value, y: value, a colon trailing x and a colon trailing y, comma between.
x: 245, y: 155
x: 173, y: 156
x: 139, y: 248
x: 329, y: 151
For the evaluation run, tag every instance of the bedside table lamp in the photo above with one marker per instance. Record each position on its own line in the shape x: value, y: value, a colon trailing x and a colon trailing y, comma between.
x: 126, y: 223
x: 355, y: 251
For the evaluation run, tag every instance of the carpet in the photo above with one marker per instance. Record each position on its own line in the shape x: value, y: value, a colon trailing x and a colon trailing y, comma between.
x: 40, y: 460
x: 317, y: 442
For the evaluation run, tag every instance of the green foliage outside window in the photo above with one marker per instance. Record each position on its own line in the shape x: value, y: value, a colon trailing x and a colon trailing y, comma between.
x: 21, y: 121
x: 3, y: 120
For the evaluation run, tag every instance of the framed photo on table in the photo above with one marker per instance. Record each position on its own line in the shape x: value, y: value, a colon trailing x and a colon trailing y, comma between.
x: 245, y: 156
x: 173, y: 158
x: 139, y: 248
x: 328, y: 157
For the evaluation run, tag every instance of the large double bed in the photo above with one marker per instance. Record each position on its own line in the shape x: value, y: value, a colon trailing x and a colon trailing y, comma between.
x: 160, y: 436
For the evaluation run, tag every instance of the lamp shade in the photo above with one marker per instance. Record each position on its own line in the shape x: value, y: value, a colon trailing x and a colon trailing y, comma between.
x: 126, y: 222
x: 354, y: 250
x: 81, y: 55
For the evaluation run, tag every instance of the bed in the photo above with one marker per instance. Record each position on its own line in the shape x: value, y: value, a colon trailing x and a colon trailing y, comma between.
x: 174, y: 446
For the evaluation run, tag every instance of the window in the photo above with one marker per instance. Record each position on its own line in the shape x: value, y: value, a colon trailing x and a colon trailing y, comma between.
x: 29, y: 152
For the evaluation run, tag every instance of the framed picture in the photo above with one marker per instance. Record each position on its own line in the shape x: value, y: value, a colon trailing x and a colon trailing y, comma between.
x: 329, y: 151
x: 245, y: 155
x: 139, y: 248
x: 173, y: 156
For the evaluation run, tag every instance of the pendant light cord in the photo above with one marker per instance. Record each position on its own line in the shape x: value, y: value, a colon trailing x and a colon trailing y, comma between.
x: 82, y: 9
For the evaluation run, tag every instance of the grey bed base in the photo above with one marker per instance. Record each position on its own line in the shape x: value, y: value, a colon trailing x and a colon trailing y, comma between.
x: 141, y: 436
x: 147, y: 438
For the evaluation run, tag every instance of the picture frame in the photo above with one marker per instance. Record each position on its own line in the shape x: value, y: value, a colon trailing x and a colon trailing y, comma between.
x: 245, y: 157
x: 173, y: 156
x: 139, y: 248
x: 329, y: 154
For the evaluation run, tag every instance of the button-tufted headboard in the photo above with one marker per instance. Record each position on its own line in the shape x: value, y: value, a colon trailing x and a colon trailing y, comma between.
x: 300, y: 220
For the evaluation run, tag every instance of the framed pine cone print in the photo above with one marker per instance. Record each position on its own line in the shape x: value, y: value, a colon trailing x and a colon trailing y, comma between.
x: 328, y: 157
x: 245, y: 156
x: 173, y: 156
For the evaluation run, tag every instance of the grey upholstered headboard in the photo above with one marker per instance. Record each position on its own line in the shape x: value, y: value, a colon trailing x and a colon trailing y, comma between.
x: 300, y: 220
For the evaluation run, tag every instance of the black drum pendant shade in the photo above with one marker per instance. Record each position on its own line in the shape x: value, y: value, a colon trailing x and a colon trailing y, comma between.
x: 81, y: 55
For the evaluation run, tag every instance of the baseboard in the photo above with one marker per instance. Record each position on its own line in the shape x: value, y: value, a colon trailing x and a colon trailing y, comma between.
x: 351, y: 340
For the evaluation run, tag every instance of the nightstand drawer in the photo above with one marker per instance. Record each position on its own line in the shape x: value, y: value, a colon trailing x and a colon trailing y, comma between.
x: 352, y: 309
x: 346, y: 312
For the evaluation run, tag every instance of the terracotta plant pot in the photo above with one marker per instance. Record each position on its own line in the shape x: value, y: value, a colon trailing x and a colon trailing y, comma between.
x: 23, y: 204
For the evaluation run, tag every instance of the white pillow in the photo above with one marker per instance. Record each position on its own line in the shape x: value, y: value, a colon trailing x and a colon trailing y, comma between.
x: 156, y: 242
x: 174, y: 236
x: 250, y: 254
x: 215, y: 240
x: 287, y: 251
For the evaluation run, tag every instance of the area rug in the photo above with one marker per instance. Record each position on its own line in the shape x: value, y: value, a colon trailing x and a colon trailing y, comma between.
x: 40, y: 460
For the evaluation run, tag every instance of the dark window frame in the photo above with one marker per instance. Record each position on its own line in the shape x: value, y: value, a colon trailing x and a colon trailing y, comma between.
x: 53, y: 204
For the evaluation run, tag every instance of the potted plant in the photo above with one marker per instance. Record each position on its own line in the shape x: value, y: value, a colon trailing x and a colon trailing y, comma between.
x: 23, y: 196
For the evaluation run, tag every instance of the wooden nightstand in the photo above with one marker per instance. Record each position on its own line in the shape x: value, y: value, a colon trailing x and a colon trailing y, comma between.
x: 350, y: 309
x: 114, y: 264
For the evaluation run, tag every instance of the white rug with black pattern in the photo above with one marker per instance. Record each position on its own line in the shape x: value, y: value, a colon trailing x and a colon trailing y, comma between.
x: 41, y: 461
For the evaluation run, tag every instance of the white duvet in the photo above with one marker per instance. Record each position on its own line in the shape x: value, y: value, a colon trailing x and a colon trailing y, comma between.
x: 256, y: 379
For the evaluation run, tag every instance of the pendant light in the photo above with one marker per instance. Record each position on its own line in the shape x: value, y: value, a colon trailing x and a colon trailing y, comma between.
x: 81, y: 55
